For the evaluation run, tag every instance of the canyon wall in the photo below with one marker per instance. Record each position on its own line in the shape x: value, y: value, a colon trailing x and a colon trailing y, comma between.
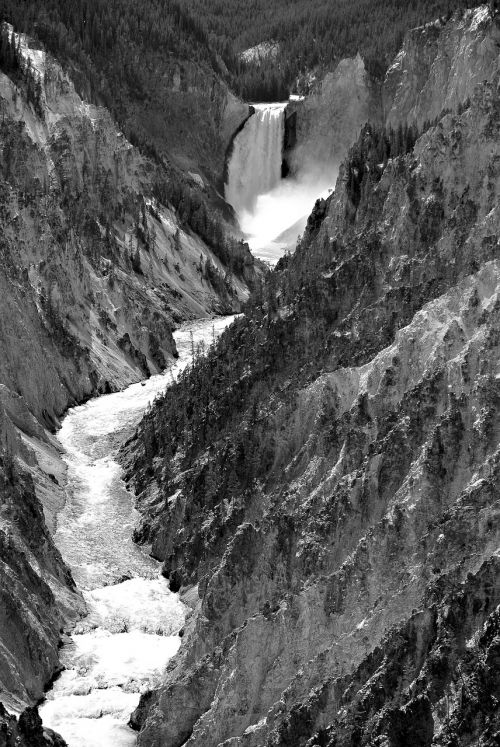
x: 96, y: 272
x: 103, y: 269
x: 439, y: 66
x: 195, y: 115
x: 331, y: 512
x: 437, y: 69
x: 328, y: 120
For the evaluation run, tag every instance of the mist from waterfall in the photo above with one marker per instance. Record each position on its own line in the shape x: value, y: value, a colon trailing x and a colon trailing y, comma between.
x: 272, y: 211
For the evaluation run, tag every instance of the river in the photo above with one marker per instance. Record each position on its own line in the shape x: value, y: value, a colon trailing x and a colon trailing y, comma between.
x: 132, y: 628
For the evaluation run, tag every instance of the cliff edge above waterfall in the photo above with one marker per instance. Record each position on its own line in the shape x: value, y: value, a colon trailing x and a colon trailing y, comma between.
x: 323, y: 488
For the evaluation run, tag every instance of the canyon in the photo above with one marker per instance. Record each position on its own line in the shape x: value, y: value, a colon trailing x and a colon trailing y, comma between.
x: 436, y: 69
x: 335, y: 503
x: 96, y: 274
x: 313, y: 501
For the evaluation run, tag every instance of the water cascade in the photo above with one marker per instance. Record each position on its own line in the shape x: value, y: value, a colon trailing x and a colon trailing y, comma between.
x: 255, y: 165
x: 132, y: 628
x: 271, y: 211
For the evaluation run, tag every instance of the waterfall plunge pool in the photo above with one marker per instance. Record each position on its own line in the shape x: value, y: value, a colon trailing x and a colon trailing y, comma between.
x: 131, y: 631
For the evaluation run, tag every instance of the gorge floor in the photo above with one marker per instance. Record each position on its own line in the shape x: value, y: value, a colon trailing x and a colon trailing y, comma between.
x: 132, y: 627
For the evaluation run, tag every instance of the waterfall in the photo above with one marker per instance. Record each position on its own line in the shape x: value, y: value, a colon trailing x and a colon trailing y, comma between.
x: 271, y: 211
x: 255, y: 164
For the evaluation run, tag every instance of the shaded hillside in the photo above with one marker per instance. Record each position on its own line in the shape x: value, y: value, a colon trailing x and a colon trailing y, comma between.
x: 150, y: 64
x: 328, y: 477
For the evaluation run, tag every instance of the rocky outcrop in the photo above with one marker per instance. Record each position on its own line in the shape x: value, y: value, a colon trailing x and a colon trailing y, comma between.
x: 27, y: 731
x: 335, y: 501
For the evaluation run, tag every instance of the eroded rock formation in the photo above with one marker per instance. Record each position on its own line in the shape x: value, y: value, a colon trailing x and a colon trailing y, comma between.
x: 328, y: 120
x: 27, y: 731
x: 436, y: 70
x: 439, y: 66
x: 332, y: 510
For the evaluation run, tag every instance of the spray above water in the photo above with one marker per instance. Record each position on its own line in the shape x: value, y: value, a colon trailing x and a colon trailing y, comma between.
x: 280, y: 215
x: 272, y: 211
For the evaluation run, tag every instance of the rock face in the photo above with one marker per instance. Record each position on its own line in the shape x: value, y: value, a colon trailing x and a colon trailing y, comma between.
x: 27, y: 731
x: 334, y: 502
x: 198, y: 114
x: 437, y: 69
x: 95, y: 273
x: 439, y: 66
x: 328, y: 121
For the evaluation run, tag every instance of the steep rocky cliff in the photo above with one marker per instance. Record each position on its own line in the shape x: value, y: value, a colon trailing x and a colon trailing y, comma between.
x: 437, y: 69
x: 324, y: 487
x: 439, y: 66
x: 327, y: 122
x: 96, y: 271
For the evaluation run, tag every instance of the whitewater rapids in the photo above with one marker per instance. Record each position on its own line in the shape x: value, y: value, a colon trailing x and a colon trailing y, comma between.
x: 132, y: 628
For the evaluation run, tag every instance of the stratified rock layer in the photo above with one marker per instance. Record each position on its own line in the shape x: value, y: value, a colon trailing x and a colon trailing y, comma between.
x: 336, y: 498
